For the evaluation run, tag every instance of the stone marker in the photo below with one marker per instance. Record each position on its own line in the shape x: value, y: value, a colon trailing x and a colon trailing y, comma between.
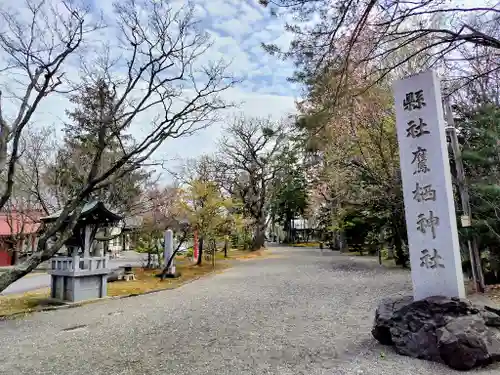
x: 436, y: 323
x: 436, y: 267
x: 169, y: 250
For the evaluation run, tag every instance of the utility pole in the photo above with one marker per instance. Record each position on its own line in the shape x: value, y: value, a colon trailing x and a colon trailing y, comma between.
x: 475, y: 259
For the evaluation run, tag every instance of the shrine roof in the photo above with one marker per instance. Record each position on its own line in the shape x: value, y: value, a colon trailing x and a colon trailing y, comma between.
x: 93, y: 211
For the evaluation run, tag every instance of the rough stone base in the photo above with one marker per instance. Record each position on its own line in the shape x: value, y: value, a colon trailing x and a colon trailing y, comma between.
x: 449, y: 330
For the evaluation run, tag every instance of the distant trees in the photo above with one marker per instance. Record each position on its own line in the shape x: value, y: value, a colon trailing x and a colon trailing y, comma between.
x: 159, y: 77
x: 207, y: 211
x: 347, y: 54
x: 479, y: 132
x: 248, y: 161
x: 289, y: 192
x: 74, y: 159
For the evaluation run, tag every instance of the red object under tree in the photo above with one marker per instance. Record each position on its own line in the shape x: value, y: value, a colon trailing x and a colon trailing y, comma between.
x: 15, y: 230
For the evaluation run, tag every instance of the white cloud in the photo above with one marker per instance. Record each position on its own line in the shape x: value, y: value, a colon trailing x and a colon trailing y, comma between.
x: 243, y: 26
x: 217, y: 8
x: 250, y: 12
x: 233, y: 27
x: 200, y: 11
x: 205, y: 141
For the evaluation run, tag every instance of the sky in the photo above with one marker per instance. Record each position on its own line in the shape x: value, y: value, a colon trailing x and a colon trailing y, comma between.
x: 237, y: 29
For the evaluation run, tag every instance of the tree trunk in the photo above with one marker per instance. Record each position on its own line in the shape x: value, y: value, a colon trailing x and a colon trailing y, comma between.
x: 390, y: 251
x: 200, y: 252
x: 214, y: 244
x: 400, y: 256
x: 41, y: 255
x: 43, y: 252
x: 287, y: 228
x: 16, y: 251
x: 225, y: 247
x: 259, y: 237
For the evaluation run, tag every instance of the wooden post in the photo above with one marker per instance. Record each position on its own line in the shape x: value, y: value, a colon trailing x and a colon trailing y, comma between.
x: 475, y: 259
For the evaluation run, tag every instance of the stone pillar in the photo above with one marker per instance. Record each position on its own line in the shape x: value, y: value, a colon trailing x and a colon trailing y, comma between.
x: 169, y: 250
x: 127, y: 241
x: 86, y: 243
x: 436, y: 265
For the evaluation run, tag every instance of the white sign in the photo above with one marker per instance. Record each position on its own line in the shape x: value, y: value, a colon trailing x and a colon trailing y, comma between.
x: 436, y: 266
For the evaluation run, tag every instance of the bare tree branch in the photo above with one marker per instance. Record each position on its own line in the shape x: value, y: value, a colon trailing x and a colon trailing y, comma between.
x: 168, y: 88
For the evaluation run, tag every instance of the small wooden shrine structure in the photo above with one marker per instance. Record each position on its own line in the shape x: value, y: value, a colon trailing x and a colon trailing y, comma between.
x: 82, y: 275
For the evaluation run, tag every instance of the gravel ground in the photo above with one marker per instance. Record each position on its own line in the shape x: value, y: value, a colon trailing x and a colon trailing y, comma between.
x: 304, y: 313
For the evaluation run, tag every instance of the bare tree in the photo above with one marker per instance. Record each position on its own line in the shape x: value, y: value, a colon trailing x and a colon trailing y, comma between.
x: 35, y: 45
x: 38, y: 148
x: 158, y: 75
x: 375, y: 38
x: 248, y: 161
x: 189, y: 170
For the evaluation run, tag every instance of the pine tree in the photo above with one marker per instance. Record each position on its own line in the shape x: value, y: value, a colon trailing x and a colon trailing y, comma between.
x: 95, y: 126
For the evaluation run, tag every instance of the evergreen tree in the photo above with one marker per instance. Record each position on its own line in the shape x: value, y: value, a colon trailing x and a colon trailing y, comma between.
x: 480, y: 135
x: 290, y: 194
x: 95, y: 127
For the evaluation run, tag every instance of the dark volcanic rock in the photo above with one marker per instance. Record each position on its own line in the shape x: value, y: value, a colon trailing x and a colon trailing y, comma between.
x: 441, y: 329
x: 467, y: 342
x: 383, y: 318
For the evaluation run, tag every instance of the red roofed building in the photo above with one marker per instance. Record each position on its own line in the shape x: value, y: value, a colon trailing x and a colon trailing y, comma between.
x: 18, y: 232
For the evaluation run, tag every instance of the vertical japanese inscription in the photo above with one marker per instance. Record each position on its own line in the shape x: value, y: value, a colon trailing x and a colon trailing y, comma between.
x: 420, y: 160
x: 424, y: 223
x: 431, y: 261
x: 414, y: 100
x: 416, y: 130
x: 423, y: 192
x: 434, y: 249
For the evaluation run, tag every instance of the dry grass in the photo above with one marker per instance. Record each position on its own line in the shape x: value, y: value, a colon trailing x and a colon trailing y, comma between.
x: 146, y: 282
x: 249, y: 255
x: 307, y: 244
x: 26, y: 302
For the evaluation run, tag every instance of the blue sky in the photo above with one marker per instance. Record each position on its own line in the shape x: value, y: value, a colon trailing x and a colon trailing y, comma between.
x: 237, y: 28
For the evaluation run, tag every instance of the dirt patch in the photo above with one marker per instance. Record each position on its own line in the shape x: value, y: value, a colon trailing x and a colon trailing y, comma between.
x: 258, y: 254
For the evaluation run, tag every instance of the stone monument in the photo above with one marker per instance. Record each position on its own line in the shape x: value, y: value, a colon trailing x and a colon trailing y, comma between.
x: 168, y: 252
x: 437, y: 323
x: 81, y: 275
x: 436, y: 266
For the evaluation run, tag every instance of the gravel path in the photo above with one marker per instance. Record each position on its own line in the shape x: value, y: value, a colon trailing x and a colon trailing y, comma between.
x: 304, y: 313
